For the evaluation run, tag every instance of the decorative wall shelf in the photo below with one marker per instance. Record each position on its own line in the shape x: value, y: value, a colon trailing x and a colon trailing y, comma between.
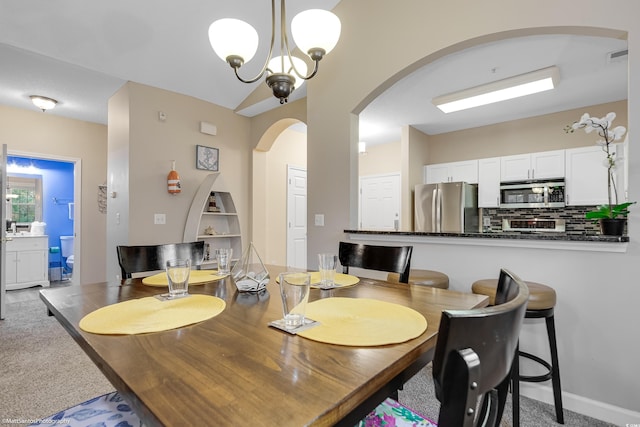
x: 224, y: 224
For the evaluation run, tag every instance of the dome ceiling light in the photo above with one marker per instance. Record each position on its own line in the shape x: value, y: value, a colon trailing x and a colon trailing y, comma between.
x: 42, y: 102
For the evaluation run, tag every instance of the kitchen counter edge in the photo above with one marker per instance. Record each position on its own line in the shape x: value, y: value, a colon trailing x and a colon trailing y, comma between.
x: 509, y: 239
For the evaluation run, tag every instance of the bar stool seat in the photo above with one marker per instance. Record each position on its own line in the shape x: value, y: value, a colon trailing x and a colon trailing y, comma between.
x: 541, y: 304
x: 432, y: 278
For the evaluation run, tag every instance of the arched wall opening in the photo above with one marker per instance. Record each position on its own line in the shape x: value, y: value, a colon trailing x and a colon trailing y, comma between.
x: 283, y: 144
x: 414, y: 146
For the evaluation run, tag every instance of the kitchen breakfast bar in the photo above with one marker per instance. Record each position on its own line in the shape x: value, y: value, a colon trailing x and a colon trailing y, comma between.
x: 574, y: 265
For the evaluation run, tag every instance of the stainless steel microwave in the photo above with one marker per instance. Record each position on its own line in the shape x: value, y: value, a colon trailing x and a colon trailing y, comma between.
x: 544, y: 194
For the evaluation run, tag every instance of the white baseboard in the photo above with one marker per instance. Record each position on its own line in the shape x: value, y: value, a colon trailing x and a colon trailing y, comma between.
x: 582, y: 405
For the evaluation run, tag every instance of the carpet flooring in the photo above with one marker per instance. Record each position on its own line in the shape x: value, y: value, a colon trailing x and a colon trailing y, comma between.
x: 43, y: 371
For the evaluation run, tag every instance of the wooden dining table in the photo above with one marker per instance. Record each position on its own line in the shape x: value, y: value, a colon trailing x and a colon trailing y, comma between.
x: 234, y: 369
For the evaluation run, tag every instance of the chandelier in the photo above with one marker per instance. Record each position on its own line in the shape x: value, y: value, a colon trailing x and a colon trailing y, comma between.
x: 315, y: 31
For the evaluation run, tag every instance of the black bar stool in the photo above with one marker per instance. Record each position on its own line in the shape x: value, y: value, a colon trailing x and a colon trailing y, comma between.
x: 541, y: 304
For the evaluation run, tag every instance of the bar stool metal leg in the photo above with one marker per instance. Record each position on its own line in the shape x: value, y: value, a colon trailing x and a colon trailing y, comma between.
x: 553, y: 370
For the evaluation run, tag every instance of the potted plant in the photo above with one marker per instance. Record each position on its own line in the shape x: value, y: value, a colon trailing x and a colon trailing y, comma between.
x: 611, y: 216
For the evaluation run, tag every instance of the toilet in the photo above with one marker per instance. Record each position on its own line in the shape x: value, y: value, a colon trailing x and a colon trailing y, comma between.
x: 66, y: 247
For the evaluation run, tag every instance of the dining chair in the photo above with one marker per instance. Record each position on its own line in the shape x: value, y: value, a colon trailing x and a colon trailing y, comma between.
x: 390, y: 259
x: 141, y: 259
x: 471, y: 366
x: 108, y: 410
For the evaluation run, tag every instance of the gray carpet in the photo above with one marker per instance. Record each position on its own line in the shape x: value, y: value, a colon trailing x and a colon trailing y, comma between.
x: 43, y: 371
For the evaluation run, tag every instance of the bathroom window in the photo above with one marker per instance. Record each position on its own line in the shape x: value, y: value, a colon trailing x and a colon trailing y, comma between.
x: 25, y: 200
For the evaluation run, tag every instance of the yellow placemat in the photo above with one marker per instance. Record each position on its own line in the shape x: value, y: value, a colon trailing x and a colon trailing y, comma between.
x: 362, y: 322
x: 196, y: 277
x: 149, y: 314
x: 341, y: 280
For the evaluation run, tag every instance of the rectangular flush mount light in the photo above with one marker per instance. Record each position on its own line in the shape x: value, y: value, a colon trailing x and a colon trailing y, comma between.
x: 512, y: 87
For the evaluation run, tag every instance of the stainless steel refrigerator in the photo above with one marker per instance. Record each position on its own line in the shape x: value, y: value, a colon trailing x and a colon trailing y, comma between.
x: 448, y: 207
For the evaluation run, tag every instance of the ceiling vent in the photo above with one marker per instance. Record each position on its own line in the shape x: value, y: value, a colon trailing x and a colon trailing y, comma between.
x: 618, y: 56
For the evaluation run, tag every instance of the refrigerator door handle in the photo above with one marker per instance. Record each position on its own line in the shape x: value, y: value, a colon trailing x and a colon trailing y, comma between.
x: 438, y: 227
x: 434, y: 209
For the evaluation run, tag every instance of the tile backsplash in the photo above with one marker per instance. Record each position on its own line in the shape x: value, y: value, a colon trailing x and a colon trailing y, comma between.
x: 575, y: 222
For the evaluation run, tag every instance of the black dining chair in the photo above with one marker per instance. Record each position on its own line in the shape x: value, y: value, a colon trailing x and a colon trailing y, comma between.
x: 472, y: 363
x: 390, y: 259
x: 141, y: 259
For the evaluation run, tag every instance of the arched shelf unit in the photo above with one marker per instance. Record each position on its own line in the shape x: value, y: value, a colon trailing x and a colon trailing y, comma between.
x: 223, y: 222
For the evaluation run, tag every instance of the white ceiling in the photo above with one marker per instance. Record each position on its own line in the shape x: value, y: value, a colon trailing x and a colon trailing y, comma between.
x: 81, y: 53
x: 586, y: 78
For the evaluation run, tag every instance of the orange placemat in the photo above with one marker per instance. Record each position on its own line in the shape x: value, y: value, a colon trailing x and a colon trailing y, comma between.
x: 150, y: 314
x: 196, y: 277
x: 362, y: 322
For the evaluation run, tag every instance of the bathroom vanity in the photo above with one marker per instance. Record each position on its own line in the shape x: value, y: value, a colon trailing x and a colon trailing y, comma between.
x: 27, y: 261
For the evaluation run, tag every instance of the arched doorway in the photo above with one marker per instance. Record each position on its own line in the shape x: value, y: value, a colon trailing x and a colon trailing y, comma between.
x: 279, y: 166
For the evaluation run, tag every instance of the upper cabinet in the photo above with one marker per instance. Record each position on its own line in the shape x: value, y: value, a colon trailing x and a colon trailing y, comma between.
x: 523, y: 167
x: 586, y: 181
x: 466, y: 171
x: 489, y: 182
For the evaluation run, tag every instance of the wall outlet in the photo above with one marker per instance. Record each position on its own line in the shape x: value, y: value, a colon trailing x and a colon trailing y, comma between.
x: 159, y: 219
x: 486, y: 221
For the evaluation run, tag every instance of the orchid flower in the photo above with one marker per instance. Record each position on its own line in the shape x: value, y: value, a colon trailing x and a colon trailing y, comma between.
x: 602, y: 126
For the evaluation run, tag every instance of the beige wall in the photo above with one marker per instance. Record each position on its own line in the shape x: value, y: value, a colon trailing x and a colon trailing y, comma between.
x: 44, y: 134
x: 289, y: 149
x: 366, y: 61
x: 380, y: 159
x: 542, y: 133
x: 150, y: 145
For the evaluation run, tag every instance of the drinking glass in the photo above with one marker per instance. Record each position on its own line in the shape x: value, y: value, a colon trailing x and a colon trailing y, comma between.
x: 294, y: 290
x: 178, y: 277
x: 327, y: 264
x: 223, y: 258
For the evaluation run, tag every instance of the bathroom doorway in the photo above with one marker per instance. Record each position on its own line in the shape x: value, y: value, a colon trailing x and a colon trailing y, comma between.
x: 44, y: 197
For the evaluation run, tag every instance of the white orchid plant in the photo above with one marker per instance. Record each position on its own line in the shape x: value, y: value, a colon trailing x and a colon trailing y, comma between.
x: 609, y: 135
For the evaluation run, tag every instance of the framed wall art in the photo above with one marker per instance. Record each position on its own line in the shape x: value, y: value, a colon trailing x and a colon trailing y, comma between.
x: 207, y: 158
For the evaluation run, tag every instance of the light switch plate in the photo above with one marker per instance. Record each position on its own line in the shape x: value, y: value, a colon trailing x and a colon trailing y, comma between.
x: 159, y: 219
x: 319, y: 220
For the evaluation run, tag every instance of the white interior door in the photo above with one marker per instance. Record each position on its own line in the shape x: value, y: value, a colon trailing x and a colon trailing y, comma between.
x: 380, y: 202
x: 3, y: 232
x: 296, y: 217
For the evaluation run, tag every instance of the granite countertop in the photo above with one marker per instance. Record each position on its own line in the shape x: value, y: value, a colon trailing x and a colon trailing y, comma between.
x: 514, y: 235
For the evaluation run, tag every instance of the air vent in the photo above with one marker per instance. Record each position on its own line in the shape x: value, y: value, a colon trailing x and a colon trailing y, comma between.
x: 618, y: 56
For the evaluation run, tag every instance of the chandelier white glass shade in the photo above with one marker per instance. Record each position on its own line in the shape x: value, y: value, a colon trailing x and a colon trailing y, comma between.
x: 513, y: 87
x: 42, y: 102
x: 244, y: 43
x: 316, y: 33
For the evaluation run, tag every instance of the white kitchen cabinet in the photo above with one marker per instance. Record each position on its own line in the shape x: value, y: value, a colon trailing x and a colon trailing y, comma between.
x: 217, y: 229
x: 586, y: 180
x: 489, y: 182
x: 466, y: 171
x: 27, y: 261
x: 542, y: 165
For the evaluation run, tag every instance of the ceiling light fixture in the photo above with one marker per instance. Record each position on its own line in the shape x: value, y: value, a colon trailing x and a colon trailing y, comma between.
x: 315, y: 31
x: 512, y: 87
x: 43, y: 103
